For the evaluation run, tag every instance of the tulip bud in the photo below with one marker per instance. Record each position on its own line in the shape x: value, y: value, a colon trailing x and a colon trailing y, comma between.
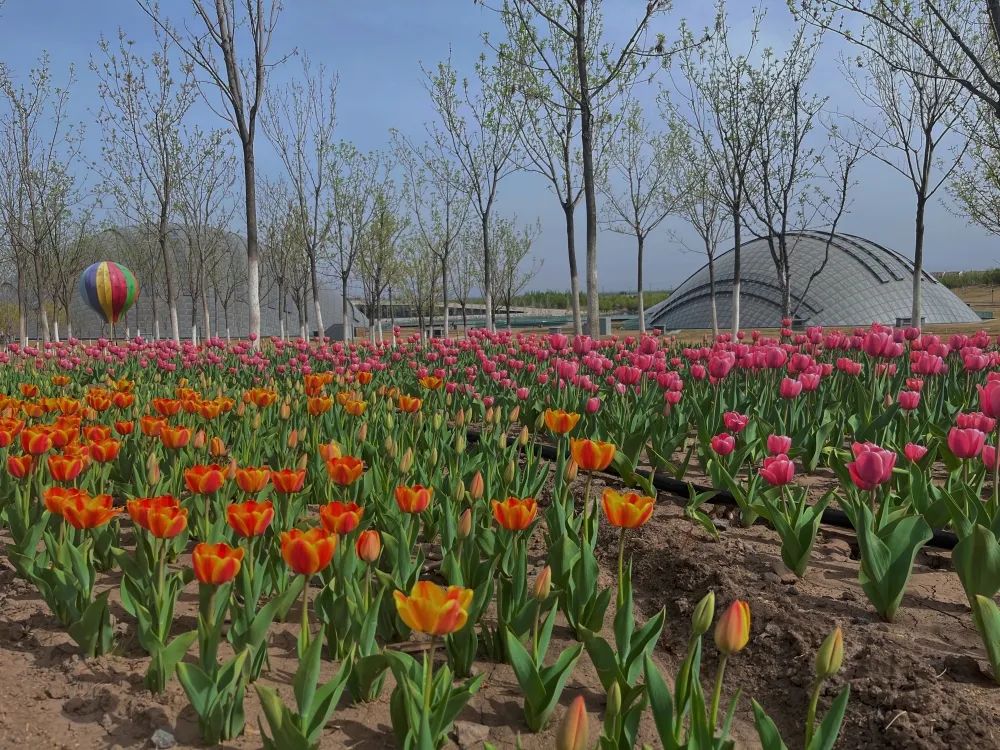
x: 498, y: 416
x: 574, y: 732
x: 406, y: 462
x: 477, y: 486
x: 572, y: 469
x: 368, y: 546
x: 293, y: 439
x: 543, y: 584
x: 515, y: 413
x: 390, y: 421
x: 457, y: 491
x: 732, y: 631
x: 216, y: 447
x: 231, y: 471
x: 703, y: 615
x: 433, y: 457
x: 363, y: 432
x: 614, y: 707
x: 465, y: 524
x: 390, y: 447
x: 256, y: 421
x: 523, y: 437
x: 153, y: 468
x: 489, y: 415
x: 460, y: 442
x: 830, y: 655
x: 284, y: 412
x: 303, y: 461
x: 437, y: 420
x: 460, y: 418
x: 241, y: 409
x: 508, y: 473
x: 199, y: 439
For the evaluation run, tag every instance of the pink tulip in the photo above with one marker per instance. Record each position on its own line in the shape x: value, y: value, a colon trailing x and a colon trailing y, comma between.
x: 989, y: 398
x: 593, y: 404
x: 908, y: 400
x: 914, y: 452
x: 990, y: 457
x: 778, y: 444
x: 723, y: 444
x: 976, y: 421
x: 735, y: 422
x: 721, y: 364
x: 966, y: 443
x: 872, y: 465
x: 778, y: 470
x: 790, y: 388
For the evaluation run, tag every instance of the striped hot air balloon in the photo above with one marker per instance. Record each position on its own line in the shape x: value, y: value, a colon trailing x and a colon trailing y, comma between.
x: 110, y: 289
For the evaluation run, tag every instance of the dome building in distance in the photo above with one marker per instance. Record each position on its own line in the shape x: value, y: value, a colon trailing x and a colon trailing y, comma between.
x: 861, y: 283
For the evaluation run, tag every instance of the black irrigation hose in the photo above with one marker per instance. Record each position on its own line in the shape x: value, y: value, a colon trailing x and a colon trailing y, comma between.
x: 942, y: 539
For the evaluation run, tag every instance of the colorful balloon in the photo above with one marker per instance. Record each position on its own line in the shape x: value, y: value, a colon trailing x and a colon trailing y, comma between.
x: 110, y: 289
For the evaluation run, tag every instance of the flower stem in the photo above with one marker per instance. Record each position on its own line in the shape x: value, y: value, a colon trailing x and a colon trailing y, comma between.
x: 811, y: 715
x: 621, y: 568
x: 304, y: 637
x: 429, y: 675
x: 713, y: 715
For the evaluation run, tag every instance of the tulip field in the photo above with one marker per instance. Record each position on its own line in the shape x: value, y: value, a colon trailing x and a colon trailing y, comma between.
x: 504, y: 540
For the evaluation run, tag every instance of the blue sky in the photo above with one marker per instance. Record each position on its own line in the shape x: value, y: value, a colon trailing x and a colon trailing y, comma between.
x: 377, y: 49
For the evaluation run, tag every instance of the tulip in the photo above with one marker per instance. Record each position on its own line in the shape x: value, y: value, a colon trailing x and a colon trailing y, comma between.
x: 124, y: 427
x: 409, y: 404
x: 701, y: 620
x: 560, y: 422
x: 990, y: 458
x: 732, y: 633
x: 216, y: 564
x: 20, y: 466
x: 872, y: 465
x: 543, y: 584
x: 345, y: 470
x: 574, y: 732
x: 778, y: 470
x: 908, y: 400
x: 288, y: 481
x: 735, y: 422
x: 251, y: 518
x: 413, y: 499
x: 914, y: 452
x: 778, y: 444
x: 592, y: 455
x: 477, y: 486
x: 627, y: 510
x: 152, y: 426
x: 307, y: 552
x: 723, y: 444
x: 465, y: 524
x: 55, y: 498
x: 432, y: 609
x: 204, y: 480
x: 161, y: 516
x: 515, y: 514
x: 340, y: 518
x: 174, y: 437
x: 790, y: 388
x: 63, y: 468
x: 830, y: 655
x: 35, y: 441
x: 368, y: 546
x: 104, y: 451
x: 965, y: 443
x: 989, y: 398
x: 252, y: 479
x: 85, y: 512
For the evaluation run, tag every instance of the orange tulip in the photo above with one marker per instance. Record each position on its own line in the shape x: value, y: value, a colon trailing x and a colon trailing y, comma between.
x: 368, y: 545
x: 409, y: 404
x: 35, y: 440
x: 97, y: 432
x: 20, y: 466
x: 592, y: 455
x: 86, y: 512
x: 515, y: 514
x: 250, y: 518
x: 63, y: 468
x: 68, y: 406
x: 124, y: 427
x: 59, y: 381
x: 288, y: 481
x: 345, y: 470
x: 574, y: 732
x: 732, y: 631
x: 560, y: 422
x: 308, y: 552
x: 627, y: 510
x: 355, y: 407
x: 174, y: 437
x: 340, y: 518
x: 431, y: 382
x: 28, y: 390
x: 167, y: 407
x: 104, y: 450
x: 216, y: 447
x: 55, y: 498
x: 329, y: 451
x: 122, y: 400
x: 252, y: 479
x: 204, y: 480
x: 152, y: 426
x: 261, y: 397
x: 162, y: 516
x: 216, y: 564
x: 318, y: 405
x: 364, y: 377
x: 433, y: 609
x: 413, y: 499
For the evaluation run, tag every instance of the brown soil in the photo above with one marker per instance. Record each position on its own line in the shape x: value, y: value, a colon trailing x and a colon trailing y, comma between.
x: 920, y: 682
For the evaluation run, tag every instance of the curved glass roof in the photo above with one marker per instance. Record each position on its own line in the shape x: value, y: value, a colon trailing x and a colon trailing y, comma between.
x: 840, y: 281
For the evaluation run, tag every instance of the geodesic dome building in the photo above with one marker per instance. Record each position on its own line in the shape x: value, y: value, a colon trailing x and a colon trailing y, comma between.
x: 861, y: 283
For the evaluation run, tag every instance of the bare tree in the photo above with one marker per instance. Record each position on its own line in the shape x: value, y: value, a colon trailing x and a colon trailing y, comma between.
x: 378, y: 262
x: 228, y: 27
x: 282, y: 243
x: 300, y: 122
x: 478, y: 131
x: 513, y: 246
x: 143, y: 103
x: 592, y: 76
x: 638, y: 191
x: 975, y: 184
x: 464, y: 271
x: 920, y: 113
x: 72, y: 247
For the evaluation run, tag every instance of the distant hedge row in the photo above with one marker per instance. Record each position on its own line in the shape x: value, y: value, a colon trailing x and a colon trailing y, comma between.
x: 610, y: 301
x: 956, y: 279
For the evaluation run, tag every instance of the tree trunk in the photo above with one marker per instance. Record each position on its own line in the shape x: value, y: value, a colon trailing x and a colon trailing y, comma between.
x: 487, y: 271
x: 314, y: 281
x: 253, y: 253
x: 348, y: 333
x: 574, y: 275
x: 206, y: 332
x: 168, y: 273
x: 22, y: 312
x: 711, y: 296
x: 38, y: 298
x: 465, y: 321
x: 156, y: 319
x: 589, y: 186
x: 736, y: 271
x: 444, y: 290
x: 430, y: 307
x: 918, y: 260
x: 642, y: 307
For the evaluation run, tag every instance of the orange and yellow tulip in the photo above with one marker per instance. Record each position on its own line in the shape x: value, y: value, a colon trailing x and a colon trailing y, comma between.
x: 409, y: 404
x: 63, y: 468
x: 345, y: 470
x: 124, y: 427
x: 20, y: 466
x: 515, y: 514
x: 152, y: 426
x: 592, y: 455
x: 167, y: 407
x: 732, y: 631
x: 174, y: 437
x: 355, y: 407
x: 55, y: 498
x: 307, y: 552
x: 35, y: 440
x: 204, y: 480
x: 318, y: 405
x: 433, y: 609
x: 414, y: 498
x: 288, y: 481
x: 250, y: 518
x: 368, y: 546
x: 329, y: 451
x: 340, y: 518
x: 560, y: 422
x: 252, y: 479
x: 104, y: 451
x: 627, y: 510
x: 431, y: 382
x: 83, y: 511
x: 216, y: 564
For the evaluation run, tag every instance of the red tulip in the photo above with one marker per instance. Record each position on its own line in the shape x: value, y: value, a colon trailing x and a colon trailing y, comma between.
x: 989, y: 398
x: 914, y: 452
x: 966, y: 443
x: 723, y: 444
x: 735, y: 422
x: 871, y: 466
x: 778, y: 444
x: 990, y: 457
x: 778, y: 470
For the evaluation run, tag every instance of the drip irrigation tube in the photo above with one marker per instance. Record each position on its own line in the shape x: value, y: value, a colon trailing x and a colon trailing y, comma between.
x: 942, y: 539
